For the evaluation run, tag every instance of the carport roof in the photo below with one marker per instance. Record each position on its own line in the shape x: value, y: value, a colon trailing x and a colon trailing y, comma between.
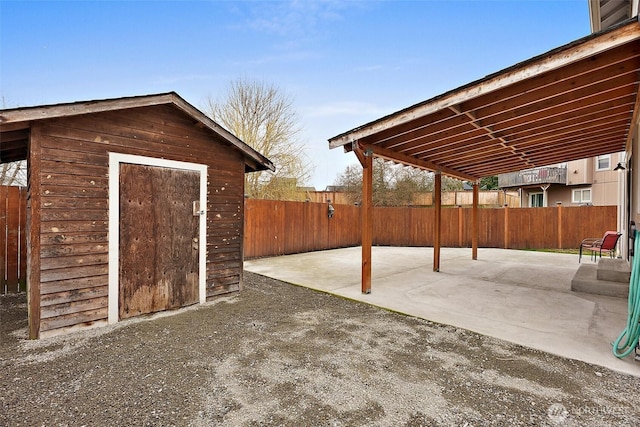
x: 15, y: 123
x: 577, y: 101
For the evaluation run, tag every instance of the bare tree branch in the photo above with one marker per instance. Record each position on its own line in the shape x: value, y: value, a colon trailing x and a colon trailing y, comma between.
x: 13, y: 173
x: 263, y: 117
x: 393, y: 185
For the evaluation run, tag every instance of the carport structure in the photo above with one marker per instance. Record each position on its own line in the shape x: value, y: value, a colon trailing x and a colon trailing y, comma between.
x: 577, y: 101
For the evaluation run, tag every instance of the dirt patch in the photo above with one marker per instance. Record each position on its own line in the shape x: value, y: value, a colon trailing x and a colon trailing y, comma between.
x: 282, y: 355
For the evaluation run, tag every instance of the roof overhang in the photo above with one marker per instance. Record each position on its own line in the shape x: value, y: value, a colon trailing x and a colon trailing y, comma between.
x: 576, y: 101
x: 15, y: 124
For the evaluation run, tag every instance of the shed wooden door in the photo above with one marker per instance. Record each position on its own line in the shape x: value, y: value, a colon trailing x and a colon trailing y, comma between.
x: 158, y: 239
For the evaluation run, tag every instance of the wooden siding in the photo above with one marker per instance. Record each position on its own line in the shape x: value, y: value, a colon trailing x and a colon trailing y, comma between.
x: 13, y: 241
x: 74, y: 203
x: 278, y: 228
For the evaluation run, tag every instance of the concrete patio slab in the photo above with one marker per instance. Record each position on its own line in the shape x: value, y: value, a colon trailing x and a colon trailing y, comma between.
x: 523, y: 297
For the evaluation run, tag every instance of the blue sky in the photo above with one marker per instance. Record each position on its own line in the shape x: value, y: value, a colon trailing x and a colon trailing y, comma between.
x: 345, y: 63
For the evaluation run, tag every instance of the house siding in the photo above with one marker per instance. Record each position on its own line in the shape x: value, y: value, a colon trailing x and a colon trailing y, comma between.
x: 580, y: 172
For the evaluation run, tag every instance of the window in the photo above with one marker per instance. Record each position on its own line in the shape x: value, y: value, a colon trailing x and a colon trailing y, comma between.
x: 603, y: 162
x: 536, y: 200
x: 581, y: 196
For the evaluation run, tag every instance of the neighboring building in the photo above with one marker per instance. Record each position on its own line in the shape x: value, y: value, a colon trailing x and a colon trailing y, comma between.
x: 592, y: 181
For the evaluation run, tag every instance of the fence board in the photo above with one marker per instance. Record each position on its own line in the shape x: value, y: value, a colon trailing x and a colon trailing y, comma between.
x: 12, y: 239
x: 586, y: 221
x: 449, y: 236
x: 345, y: 226
x: 23, y: 238
x: 276, y: 227
x: 4, y: 193
x: 491, y: 228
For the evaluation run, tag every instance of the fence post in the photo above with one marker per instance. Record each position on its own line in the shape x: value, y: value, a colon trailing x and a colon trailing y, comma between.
x: 559, y: 207
x: 460, y: 226
x: 506, y: 227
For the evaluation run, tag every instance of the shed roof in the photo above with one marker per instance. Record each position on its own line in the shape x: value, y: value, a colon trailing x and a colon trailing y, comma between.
x: 15, y: 123
x: 577, y: 101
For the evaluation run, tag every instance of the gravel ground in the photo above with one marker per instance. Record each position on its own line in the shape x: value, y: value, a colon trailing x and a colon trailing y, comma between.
x: 278, y: 354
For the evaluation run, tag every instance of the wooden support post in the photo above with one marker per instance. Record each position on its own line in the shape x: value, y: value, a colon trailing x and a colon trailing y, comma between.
x: 367, y: 222
x: 474, y: 219
x: 437, y: 196
x: 33, y: 230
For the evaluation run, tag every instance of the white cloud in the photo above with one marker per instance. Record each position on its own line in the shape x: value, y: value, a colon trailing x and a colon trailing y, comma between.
x: 294, y: 17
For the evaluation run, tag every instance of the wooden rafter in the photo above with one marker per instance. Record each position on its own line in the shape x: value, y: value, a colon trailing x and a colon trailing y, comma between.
x: 410, y: 161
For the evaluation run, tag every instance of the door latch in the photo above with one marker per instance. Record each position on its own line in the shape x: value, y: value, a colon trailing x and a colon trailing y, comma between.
x: 196, y: 208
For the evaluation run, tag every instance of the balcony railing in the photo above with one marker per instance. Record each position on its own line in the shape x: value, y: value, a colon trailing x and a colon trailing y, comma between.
x: 549, y: 175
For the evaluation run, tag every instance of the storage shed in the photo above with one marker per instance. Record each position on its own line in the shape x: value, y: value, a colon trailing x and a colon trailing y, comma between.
x: 135, y: 205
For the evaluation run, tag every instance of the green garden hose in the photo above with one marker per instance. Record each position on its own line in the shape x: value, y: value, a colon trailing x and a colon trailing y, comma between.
x: 631, y: 334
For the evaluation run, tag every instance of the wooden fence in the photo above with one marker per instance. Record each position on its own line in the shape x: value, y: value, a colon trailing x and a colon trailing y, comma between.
x: 13, y: 245
x: 278, y: 228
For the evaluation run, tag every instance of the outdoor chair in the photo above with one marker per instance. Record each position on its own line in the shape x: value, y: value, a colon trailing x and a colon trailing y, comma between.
x: 598, y: 246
